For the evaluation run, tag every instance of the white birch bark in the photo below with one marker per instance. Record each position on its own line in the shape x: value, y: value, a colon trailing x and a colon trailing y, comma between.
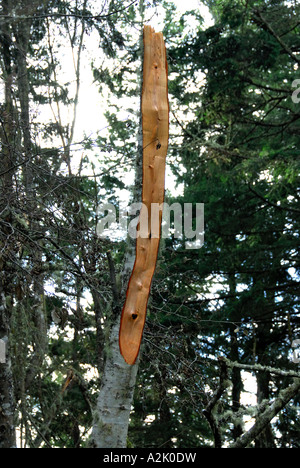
x: 112, y: 414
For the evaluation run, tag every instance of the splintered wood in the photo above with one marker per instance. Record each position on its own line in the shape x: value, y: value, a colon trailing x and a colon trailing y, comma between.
x: 155, y: 125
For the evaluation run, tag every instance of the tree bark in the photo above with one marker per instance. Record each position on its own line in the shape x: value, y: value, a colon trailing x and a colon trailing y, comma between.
x: 7, y: 199
x: 7, y: 406
x: 111, y: 417
x: 22, y: 36
x: 265, y: 438
x: 237, y: 384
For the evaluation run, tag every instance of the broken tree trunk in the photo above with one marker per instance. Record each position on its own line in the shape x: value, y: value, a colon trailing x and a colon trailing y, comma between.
x: 155, y: 127
x: 111, y: 415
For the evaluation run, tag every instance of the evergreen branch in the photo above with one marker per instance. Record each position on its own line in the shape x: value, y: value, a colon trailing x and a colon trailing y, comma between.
x: 249, y: 80
x: 261, y: 197
x: 278, y: 38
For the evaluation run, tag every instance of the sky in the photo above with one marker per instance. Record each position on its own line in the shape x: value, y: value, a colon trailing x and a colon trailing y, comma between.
x: 90, y: 116
x: 187, y: 5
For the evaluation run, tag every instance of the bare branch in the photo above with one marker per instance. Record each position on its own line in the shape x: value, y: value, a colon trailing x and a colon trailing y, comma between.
x: 66, y: 15
x: 260, y: 368
x: 265, y: 417
x: 268, y: 202
x: 208, y: 411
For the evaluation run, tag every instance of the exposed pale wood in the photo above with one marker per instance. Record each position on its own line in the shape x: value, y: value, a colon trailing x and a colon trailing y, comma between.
x: 155, y: 123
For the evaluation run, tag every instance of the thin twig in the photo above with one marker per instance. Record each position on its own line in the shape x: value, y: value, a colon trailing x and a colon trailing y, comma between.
x: 266, y: 415
x: 67, y: 15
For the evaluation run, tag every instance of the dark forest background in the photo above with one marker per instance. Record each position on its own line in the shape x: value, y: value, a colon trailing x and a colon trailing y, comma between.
x: 217, y: 354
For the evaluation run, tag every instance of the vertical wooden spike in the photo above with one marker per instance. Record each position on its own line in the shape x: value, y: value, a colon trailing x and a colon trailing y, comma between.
x: 155, y: 126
